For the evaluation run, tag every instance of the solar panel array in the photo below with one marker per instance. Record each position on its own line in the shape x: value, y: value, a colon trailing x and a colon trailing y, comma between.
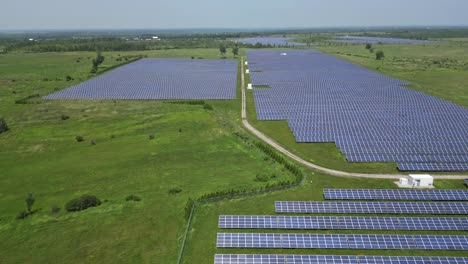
x: 160, y: 79
x: 373, y: 207
x: 374, y: 40
x: 341, y: 241
x: 395, y: 194
x: 278, y: 42
x: 342, y: 222
x: 369, y: 116
x: 332, y: 259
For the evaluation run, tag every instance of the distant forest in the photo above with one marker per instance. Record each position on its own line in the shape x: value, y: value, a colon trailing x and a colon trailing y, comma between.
x: 138, y: 40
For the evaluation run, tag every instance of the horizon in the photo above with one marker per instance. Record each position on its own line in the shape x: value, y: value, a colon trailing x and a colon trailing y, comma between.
x: 145, y: 14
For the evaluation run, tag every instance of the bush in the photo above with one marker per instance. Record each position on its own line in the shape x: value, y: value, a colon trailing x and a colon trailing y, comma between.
x: 68, y: 78
x: 79, y: 138
x: 64, y: 117
x: 81, y: 203
x: 207, y: 107
x: 3, y: 126
x: 174, y: 190
x: 261, y: 178
x: 133, y: 198
x: 55, y: 209
x: 368, y: 46
x: 379, y: 55
x: 151, y: 137
x: 92, y: 142
x: 22, y: 215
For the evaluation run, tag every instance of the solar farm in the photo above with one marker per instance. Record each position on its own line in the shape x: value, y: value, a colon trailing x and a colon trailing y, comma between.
x: 289, y: 241
x: 149, y: 79
x: 369, y: 116
x: 375, y: 40
x: 273, y: 41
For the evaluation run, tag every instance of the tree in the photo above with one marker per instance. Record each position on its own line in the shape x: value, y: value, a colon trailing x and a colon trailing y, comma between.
x: 379, y: 55
x: 3, y: 126
x: 222, y: 50
x: 30, y: 202
x: 97, y: 61
x: 368, y: 46
x: 235, y: 50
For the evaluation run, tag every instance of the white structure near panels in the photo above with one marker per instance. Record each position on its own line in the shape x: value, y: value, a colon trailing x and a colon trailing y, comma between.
x: 369, y: 116
x: 180, y: 79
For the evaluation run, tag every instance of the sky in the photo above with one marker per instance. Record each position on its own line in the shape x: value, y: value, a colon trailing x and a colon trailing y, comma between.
x: 170, y: 14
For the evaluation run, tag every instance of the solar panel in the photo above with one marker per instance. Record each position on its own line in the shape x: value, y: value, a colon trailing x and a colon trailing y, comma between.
x: 395, y: 194
x: 160, y: 79
x: 373, y: 207
x: 341, y: 241
x: 375, y: 40
x: 369, y: 116
x: 342, y: 222
x: 332, y: 259
x: 466, y: 182
x: 278, y: 42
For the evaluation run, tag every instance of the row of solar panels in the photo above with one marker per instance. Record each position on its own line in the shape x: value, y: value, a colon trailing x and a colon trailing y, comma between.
x: 160, y: 79
x: 395, y: 194
x: 372, y: 207
x: 333, y: 259
x: 341, y: 241
x: 341, y: 222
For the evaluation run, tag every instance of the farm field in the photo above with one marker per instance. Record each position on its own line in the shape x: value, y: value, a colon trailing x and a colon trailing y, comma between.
x: 205, y: 224
x: 194, y: 152
x: 435, y: 69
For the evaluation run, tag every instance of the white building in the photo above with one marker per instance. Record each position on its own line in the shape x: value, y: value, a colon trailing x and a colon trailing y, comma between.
x: 420, y: 180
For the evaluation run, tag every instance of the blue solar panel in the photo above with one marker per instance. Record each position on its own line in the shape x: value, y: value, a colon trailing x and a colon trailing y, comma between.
x: 341, y: 241
x: 342, y: 222
x: 373, y: 207
x: 374, y: 40
x: 333, y: 259
x: 278, y: 42
x: 160, y: 79
x: 395, y: 194
x: 369, y: 116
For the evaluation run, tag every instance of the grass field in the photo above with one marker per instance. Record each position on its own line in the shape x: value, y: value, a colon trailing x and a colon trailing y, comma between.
x: 40, y: 155
x: 436, y: 69
x: 205, y: 224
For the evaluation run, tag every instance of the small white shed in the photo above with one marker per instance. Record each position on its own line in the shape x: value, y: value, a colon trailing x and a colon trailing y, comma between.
x: 420, y: 180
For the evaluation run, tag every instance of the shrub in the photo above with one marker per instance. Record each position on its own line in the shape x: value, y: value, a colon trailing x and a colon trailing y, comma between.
x: 68, y: 78
x: 79, y: 138
x: 92, y: 142
x: 22, y: 215
x: 55, y: 209
x: 379, y: 55
x: 3, y: 126
x: 207, y: 107
x: 133, y: 198
x: 64, y: 117
x: 368, y: 46
x: 261, y: 178
x: 113, y: 136
x: 151, y: 137
x: 81, y: 203
x: 175, y: 190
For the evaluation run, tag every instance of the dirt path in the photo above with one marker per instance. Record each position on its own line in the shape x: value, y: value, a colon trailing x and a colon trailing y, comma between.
x: 310, y: 165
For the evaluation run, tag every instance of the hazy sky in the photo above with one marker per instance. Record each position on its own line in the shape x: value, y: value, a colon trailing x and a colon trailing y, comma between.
x: 123, y: 14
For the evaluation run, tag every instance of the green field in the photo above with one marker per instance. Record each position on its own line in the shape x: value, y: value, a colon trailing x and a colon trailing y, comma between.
x: 194, y: 150
x: 436, y: 69
x: 40, y: 155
